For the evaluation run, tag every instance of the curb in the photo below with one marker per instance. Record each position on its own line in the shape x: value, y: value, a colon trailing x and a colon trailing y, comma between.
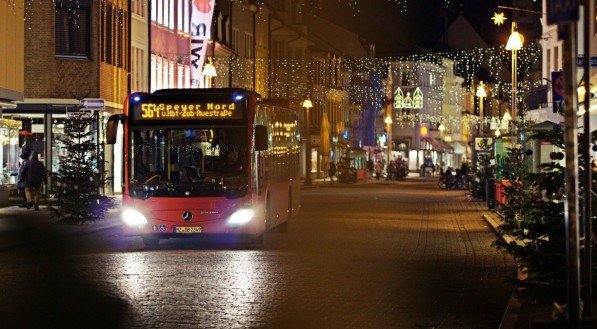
x: 493, y: 223
x: 16, y: 245
x: 52, y: 230
x: 511, y: 315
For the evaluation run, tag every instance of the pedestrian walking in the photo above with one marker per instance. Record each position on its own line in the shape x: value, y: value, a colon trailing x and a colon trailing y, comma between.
x: 34, y: 175
x: 370, y: 168
x: 332, y: 171
x: 378, y: 169
x: 23, y: 158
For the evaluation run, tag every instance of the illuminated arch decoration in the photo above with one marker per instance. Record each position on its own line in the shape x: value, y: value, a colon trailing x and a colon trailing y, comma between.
x: 418, y: 99
x: 398, y: 98
x: 408, y: 102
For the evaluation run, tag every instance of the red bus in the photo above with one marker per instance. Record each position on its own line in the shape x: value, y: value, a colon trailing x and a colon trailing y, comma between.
x: 207, y: 161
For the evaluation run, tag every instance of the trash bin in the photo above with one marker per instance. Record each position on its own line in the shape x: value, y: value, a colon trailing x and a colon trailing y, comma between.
x: 490, y: 193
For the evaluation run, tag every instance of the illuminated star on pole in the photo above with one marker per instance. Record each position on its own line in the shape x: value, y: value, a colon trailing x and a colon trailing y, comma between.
x: 498, y: 18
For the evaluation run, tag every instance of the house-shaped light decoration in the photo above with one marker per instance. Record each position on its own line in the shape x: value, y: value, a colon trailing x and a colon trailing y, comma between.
x: 410, y: 101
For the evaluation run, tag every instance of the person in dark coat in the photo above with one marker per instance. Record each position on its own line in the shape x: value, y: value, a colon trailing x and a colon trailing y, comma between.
x: 332, y: 171
x: 370, y: 167
x: 24, y: 157
x: 34, y: 175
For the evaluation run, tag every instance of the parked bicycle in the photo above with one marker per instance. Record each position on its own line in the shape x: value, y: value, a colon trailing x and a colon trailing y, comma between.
x: 449, y: 181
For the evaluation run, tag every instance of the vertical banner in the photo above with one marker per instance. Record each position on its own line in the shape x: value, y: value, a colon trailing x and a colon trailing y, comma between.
x: 201, y: 16
x: 557, y: 89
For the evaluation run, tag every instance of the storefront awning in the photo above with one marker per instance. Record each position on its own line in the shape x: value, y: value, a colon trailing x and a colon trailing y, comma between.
x: 459, y: 148
x: 542, y: 126
x: 439, y: 145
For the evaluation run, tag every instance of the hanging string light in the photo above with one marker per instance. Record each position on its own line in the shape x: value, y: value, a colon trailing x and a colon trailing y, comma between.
x: 465, y: 62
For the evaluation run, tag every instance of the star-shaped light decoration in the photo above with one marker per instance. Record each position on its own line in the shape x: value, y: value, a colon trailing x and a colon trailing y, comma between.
x: 498, y: 18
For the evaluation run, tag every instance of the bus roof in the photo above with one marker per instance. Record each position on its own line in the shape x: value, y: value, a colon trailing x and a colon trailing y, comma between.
x: 205, y: 91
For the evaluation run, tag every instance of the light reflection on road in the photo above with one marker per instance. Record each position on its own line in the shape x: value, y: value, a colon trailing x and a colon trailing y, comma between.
x: 220, y: 288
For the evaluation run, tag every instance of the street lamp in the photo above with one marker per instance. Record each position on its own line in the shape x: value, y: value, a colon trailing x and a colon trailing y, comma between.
x: 388, y: 121
x: 514, y: 44
x: 209, y: 72
x: 481, y: 94
x: 307, y: 104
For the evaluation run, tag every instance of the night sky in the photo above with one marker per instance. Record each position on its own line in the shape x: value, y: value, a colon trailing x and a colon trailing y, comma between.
x: 399, y: 27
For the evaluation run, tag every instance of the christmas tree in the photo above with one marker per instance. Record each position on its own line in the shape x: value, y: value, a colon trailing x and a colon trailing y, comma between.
x: 534, y: 214
x: 77, y: 183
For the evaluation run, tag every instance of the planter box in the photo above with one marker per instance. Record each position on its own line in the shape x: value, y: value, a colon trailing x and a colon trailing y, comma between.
x: 4, y: 193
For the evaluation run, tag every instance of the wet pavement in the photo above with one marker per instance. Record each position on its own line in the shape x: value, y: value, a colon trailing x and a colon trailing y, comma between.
x: 376, y: 255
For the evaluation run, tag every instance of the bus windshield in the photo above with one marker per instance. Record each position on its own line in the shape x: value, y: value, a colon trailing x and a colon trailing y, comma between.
x: 189, y: 162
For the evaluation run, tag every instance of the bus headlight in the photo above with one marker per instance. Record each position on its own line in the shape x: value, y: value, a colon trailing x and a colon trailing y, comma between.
x: 241, y: 217
x: 132, y: 217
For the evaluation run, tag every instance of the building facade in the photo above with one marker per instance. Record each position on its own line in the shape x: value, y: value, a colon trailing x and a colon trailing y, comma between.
x: 102, y: 51
x: 83, y: 56
x: 12, y: 84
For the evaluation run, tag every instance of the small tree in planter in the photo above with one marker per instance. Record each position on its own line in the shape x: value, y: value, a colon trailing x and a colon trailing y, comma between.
x: 77, y: 182
x: 483, y: 171
x: 535, y: 216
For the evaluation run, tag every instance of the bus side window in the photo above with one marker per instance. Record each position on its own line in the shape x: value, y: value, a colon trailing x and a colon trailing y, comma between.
x: 192, y: 173
x: 261, y: 142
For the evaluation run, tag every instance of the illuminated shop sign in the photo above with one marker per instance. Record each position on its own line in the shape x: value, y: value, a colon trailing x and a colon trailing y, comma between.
x: 188, y: 111
x: 408, y: 101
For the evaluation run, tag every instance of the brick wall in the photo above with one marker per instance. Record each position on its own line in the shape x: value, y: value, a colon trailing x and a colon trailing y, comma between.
x: 47, y: 76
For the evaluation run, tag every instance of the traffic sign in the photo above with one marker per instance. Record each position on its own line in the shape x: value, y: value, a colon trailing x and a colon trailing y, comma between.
x: 562, y: 11
x: 93, y: 104
x: 580, y: 60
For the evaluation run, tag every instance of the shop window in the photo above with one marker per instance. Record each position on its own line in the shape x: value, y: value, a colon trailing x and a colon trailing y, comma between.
x: 9, y: 150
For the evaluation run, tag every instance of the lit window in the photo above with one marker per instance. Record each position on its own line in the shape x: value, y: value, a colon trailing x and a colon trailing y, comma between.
x: 160, y: 12
x: 154, y: 12
x: 180, y: 15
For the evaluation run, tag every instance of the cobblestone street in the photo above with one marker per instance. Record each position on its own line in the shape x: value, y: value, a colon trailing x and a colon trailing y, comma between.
x: 400, y: 255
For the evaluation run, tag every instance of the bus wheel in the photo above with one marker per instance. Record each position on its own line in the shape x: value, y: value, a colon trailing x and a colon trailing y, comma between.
x: 151, y: 241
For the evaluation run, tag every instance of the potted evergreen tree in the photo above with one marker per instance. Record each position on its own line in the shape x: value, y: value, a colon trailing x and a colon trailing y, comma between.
x: 77, y: 184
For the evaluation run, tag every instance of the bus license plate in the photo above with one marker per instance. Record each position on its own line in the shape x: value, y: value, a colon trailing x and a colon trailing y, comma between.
x: 187, y: 229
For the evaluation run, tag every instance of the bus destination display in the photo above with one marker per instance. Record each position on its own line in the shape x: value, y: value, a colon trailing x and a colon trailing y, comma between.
x: 188, y: 111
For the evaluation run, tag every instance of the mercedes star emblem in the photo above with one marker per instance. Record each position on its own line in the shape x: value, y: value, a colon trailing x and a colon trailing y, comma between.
x: 187, y: 216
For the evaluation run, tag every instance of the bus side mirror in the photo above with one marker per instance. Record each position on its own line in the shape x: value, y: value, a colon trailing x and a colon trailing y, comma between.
x: 261, y: 138
x: 112, y: 127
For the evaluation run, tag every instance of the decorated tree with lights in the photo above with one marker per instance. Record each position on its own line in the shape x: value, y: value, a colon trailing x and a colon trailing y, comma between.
x: 76, y: 184
x: 534, y: 216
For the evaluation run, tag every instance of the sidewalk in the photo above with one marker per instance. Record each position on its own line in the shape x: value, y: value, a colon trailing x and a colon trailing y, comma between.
x: 520, y: 314
x: 512, y: 315
x: 326, y: 181
x: 20, y: 226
